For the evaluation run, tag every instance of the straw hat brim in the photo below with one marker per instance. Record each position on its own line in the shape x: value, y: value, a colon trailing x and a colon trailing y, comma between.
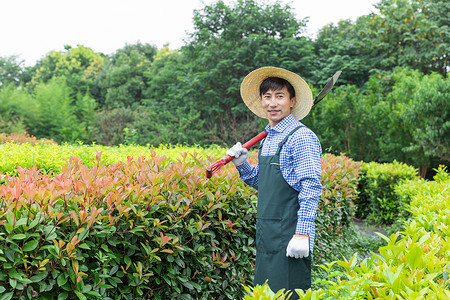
x: 251, y: 97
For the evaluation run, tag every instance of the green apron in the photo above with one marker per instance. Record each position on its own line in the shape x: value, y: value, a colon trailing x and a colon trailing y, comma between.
x: 276, y: 221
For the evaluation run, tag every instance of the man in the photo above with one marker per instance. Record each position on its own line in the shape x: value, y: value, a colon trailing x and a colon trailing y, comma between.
x: 287, y: 178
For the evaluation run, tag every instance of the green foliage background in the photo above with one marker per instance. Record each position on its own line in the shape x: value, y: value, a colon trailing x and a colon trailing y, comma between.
x: 391, y: 102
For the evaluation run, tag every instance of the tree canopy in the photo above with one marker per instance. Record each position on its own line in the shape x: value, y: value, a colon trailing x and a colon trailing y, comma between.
x: 390, y: 103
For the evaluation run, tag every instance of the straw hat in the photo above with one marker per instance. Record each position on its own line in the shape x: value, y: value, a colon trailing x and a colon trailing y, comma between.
x: 250, y: 91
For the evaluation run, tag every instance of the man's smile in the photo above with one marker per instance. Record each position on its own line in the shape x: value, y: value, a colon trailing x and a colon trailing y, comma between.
x: 273, y: 111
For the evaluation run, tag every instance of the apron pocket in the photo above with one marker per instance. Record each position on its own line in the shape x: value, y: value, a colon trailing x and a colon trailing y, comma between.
x: 268, y: 235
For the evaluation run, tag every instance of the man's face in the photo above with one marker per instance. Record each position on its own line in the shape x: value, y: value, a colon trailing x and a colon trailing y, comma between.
x: 277, y: 105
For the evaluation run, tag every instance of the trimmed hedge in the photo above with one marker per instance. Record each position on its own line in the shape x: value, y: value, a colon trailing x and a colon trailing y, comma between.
x: 132, y: 230
x: 378, y: 200
x: 150, y: 227
x: 23, y: 138
x: 50, y: 158
x: 335, y: 211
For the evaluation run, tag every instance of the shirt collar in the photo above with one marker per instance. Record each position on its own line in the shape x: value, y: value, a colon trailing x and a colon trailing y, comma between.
x: 285, y: 123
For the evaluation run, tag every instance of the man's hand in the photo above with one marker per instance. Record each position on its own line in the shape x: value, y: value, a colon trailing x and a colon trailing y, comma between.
x: 240, y: 154
x: 298, y: 247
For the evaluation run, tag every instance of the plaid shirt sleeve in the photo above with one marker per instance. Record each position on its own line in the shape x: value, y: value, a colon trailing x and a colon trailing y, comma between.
x: 300, y: 165
x: 249, y: 174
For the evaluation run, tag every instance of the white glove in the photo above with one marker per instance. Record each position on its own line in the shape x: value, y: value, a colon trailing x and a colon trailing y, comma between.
x: 240, y: 154
x: 298, y: 247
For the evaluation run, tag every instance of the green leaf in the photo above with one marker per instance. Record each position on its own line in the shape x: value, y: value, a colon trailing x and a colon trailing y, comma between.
x: 80, y: 295
x: 63, y: 296
x: 86, y: 288
x: 24, y: 280
x: 21, y: 222
x: 67, y: 287
x: 215, y: 206
x: 39, y: 276
x: 9, y: 228
x: 33, y: 223
x: 72, y: 275
x: 180, y: 262
x: 112, y: 282
x: 94, y: 293
x: 113, y: 270
x: 14, y: 274
x: 210, y: 196
x: 13, y: 282
x: 53, y: 251
x: 137, y: 229
x: 195, y: 285
x: 139, y: 291
x: 52, y: 236
x: 415, y: 257
x: 10, y: 254
x: 31, y: 245
x: 62, y: 279
x: 7, y: 296
x: 389, y: 276
x: 10, y: 217
x: 19, y: 236
x: 42, y: 286
x: 127, y: 259
x: 117, y: 279
x: 84, y: 246
x: 188, y: 285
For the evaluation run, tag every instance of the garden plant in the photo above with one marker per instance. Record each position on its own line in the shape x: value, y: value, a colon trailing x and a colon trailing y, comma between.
x: 150, y: 226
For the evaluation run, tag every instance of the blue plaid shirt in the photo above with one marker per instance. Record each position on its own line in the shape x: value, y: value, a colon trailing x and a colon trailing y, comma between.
x: 300, y: 166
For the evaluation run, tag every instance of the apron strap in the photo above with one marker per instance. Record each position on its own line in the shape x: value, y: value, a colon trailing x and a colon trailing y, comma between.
x: 280, y: 145
x: 261, y: 143
x: 260, y: 147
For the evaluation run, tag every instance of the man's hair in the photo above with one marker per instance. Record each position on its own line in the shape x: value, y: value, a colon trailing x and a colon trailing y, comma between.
x: 276, y: 84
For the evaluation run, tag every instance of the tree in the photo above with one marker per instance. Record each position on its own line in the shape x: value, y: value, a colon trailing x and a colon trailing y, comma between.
x: 14, y: 104
x: 337, y: 47
x: 169, y: 116
x: 428, y: 116
x: 79, y: 66
x: 405, y: 33
x: 10, y: 70
x: 398, y: 115
x: 227, y: 44
x: 410, y: 33
x: 349, y: 121
x: 415, y: 33
x: 123, y: 78
x: 54, y: 113
x: 164, y: 82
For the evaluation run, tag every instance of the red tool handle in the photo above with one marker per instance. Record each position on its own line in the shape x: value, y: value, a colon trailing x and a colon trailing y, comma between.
x: 212, y: 169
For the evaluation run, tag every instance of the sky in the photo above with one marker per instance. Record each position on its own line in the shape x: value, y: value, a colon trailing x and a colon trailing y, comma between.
x: 32, y: 28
